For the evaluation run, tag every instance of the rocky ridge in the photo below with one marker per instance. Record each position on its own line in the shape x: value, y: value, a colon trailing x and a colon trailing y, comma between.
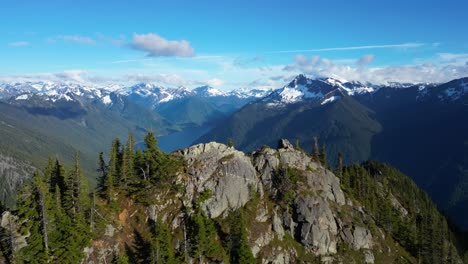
x: 319, y: 224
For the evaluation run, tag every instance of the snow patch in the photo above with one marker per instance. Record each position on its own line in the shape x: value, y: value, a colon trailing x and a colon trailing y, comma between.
x: 106, y: 100
x: 331, y: 99
x: 22, y: 97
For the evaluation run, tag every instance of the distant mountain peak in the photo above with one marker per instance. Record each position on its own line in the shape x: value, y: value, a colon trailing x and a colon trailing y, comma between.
x: 208, y: 91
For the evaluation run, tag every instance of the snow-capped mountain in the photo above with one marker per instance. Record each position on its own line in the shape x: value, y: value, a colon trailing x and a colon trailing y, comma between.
x: 208, y: 91
x: 327, y: 90
x: 53, y: 92
x: 300, y: 89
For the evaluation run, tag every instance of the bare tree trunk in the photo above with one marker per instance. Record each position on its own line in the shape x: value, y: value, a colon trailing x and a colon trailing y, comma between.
x: 144, y: 173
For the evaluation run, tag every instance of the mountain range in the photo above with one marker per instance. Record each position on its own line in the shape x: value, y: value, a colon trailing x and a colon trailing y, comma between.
x: 40, y: 119
x: 419, y: 128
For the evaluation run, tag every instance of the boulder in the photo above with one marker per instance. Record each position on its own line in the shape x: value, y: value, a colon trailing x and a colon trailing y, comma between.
x: 226, y: 172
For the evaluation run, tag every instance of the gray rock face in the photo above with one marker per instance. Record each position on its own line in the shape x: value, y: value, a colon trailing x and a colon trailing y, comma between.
x: 362, y: 238
x: 10, y: 225
x: 285, y: 144
x: 266, y: 162
x: 278, y: 225
x: 231, y: 176
x: 110, y: 230
x: 13, y: 173
x: 369, y: 257
x: 316, y: 224
x: 327, y: 183
x: 228, y: 173
x: 357, y: 237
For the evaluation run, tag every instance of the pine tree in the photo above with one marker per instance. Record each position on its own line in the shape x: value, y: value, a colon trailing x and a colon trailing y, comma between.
x: 230, y: 143
x: 161, y: 246
x: 32, y: 213
x: 113, y: 171
x: 339, y: 166
x: 151, y: 154
x: 127, y: 170
x: 57, y: 178
x: 240, y: 248
x: 323, y: 156
x: 204, y: 238
x: 74, y: 223
x: 74, y: 193
x: 141, y: 168
x: 102, y: 173
x: 315, y: 151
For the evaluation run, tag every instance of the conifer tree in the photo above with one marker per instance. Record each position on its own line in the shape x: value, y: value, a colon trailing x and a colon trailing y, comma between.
x: 113, y: 171
x: 323, y: 156
x: 161, y: 245
x: 339, y: 166
x: 230, y: 143
x: 315, y: 150
x: 102, y: 173
x: 32, y: 212
x: 127, y: 170
x: 57, y: 178
x: 151, y: 154
x: 240, y: 248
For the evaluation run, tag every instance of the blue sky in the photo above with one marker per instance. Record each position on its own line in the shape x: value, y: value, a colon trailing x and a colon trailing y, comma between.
x: 232, y: 44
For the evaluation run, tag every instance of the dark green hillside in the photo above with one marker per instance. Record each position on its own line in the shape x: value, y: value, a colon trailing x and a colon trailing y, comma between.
x: 190, y: 111
x: 345, y: 126
x: 34, y: 135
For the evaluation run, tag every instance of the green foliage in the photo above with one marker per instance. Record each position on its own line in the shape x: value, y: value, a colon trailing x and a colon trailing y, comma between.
x: 227, y: 157
x: 423, y: 232
x: 285, y: 181
x: 205, y: 195
x: 161, y: 244
x: 230, y: 143
x: 323, y: 156
x: 205, y: 242
x: 121, y: 259
x: 128, y: 164
x: 315, y: 151
x: 240, y: 248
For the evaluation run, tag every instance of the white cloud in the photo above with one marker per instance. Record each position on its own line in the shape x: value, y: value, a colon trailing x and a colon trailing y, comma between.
x: 78, y: 76
x: 453, y: 57
x: 73, y: 39
x: 425, y: 72
x: 18, y: 44
x: 120, y: 41
x: 214, y: 82
x: 157, y: 46
x: 386, y: 46
x: 365, y: 60
x: 243, y: 62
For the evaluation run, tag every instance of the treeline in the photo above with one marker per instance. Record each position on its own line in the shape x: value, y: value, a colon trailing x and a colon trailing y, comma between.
x: 419, y: 228
x: 402, y: 209
x: 57, y: 214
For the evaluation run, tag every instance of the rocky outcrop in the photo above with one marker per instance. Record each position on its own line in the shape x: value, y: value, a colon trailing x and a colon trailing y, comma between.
x: 319, y: 222
x: 317, y: 228
x: 10, y: 227
x: 227, y: 173
x: 357, y: 237
x: 13, y: 173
